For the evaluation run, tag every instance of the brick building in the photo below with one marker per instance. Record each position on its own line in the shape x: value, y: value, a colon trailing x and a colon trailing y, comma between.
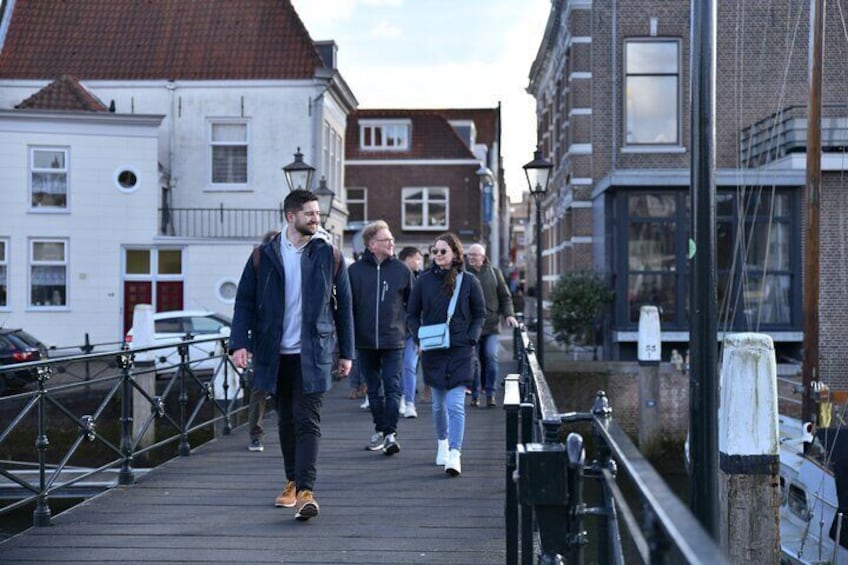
x: 426, y: 172
x: 611, y: 81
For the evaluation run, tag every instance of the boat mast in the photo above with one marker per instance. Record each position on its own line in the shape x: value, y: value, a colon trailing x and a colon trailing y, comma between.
x: 810, y: 367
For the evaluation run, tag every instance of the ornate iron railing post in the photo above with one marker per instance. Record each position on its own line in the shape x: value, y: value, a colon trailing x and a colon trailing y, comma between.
x: 576, y: 507
x: 125, y: 363
x: 601, y: 409
x: 185, y: 447
x: 41, y: 514
x: 228, y: 426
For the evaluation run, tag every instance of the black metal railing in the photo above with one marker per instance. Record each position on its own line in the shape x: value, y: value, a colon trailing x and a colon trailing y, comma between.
x: 221, y: 222
x: 545, y: 507
x: 108, y: 419
x: 785, y: 132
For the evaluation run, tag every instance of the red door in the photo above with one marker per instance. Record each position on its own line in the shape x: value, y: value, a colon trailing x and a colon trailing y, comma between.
x: 135, y: 292
x: 169, y: 296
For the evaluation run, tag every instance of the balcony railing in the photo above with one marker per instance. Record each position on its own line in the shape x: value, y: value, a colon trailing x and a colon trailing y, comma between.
x: 221, y: 222
x: 785, y: 132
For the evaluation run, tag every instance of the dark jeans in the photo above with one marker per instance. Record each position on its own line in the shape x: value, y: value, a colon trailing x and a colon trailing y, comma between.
x: 299, y: 423
x: 382, y: 371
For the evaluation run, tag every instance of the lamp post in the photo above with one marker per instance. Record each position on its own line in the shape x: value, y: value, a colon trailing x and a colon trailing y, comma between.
x: 298, y: 174
x: 325, y: 200
x: 538, y: 173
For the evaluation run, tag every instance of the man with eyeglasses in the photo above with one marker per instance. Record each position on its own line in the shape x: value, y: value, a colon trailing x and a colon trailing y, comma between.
x: 380, y: 284
x: 498, y: 304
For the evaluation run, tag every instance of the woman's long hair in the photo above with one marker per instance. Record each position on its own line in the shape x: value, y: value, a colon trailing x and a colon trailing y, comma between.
x: 458, y: 260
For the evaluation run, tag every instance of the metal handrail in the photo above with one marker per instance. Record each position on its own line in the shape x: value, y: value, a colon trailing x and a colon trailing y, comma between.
x: 140, y: 409
x: 545, y: 509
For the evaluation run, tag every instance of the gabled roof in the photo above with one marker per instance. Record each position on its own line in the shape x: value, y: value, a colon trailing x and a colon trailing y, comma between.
x: 432, y: 136
x: 64, y: 93
x: 157, y: 39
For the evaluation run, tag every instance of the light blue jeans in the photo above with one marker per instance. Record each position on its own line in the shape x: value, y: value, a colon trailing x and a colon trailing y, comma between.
x: 410, y: 370
x: 449, y: 415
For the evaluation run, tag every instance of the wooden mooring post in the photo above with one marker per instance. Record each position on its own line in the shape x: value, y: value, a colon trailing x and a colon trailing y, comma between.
x: 649, y: 355
x: 749, y: 461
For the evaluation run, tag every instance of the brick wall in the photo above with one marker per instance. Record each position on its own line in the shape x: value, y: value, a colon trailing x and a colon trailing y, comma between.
x: 385, y: 184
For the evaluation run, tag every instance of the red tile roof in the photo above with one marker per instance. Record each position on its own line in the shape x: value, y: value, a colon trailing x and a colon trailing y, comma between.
x: 64, y: 93
x: 157, y: 39
x: 432, y: 136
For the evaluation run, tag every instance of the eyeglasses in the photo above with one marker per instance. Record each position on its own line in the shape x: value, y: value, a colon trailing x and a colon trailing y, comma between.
x: 388, y: 240
x: 437, y: 251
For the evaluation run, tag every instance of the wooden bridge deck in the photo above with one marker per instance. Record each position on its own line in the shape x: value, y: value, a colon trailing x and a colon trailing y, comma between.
x: 217, y: 504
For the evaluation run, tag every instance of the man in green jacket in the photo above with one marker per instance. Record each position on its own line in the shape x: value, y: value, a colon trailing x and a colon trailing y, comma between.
x: 498, y: 303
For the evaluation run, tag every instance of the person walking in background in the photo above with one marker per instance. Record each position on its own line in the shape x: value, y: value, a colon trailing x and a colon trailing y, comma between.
x: 448, y: 371
x: 411, y: 256
x: 258, y: 398
x: 498, y: 303
x: 380, y: 285
x: 293, y: 291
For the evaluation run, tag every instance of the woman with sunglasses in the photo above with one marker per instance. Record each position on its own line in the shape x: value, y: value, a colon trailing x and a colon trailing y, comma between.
x: 448, y: 371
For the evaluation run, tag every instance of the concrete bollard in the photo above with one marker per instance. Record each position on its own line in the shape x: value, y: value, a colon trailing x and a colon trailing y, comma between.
x: 749, y: 457
x: 144, y: 371
x: 649, y: 350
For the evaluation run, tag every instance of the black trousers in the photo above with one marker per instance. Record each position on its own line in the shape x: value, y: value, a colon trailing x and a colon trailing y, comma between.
x: 298, y: 422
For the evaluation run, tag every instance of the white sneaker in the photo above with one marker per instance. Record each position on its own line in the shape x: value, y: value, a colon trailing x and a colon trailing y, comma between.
x: 410, y: 411
x: 442, y: 452
x: 402, y: 406
x: 365, y: 405
x: 453, y: 467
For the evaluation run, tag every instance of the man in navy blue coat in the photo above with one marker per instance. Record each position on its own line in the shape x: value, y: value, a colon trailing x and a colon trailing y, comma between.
x: 293, y: 293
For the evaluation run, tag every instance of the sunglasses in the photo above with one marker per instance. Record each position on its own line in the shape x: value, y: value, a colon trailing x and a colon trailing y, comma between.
x: 437, y: 251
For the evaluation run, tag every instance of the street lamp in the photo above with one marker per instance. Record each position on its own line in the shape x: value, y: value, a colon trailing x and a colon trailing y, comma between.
x: 298, y: 174
x: 538, y: 172
x: 325, y: 200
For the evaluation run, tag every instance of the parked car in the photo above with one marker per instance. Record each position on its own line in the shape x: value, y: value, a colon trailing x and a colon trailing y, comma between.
x: 173, y: 326
x: 17, y: 346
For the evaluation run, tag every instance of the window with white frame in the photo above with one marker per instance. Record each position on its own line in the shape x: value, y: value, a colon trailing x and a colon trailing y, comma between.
x: 48, y: 178
x: 228, y: 148
x: 48, y: 279
x: 652, y: 92
x: 425, y: 208
x: 384, y: 135
x: 357, y: 204
x: 332, y: 157
x: 4, y: 273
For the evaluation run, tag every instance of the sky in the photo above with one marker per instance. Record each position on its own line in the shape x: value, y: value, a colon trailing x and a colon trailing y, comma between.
x: 440, y: 54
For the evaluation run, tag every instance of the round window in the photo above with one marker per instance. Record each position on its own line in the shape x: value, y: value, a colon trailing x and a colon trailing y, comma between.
x: 227, y: 291
x: 127, y: 179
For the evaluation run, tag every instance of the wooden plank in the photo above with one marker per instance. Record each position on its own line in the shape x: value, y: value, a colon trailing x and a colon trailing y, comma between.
x: 217, y: 504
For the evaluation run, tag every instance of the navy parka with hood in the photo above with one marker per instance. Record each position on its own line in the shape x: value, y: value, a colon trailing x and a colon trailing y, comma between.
x: 449, y: 368
x: 327, y: 320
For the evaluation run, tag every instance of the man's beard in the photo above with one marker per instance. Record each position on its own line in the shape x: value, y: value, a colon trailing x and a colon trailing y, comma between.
x: 306, y: 229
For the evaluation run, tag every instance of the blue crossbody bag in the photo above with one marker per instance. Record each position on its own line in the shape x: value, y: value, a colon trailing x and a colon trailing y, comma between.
x: 437, y: 336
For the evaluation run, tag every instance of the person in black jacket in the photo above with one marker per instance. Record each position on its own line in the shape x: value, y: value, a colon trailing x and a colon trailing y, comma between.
x: 380, y: 284
x: 448, y: 371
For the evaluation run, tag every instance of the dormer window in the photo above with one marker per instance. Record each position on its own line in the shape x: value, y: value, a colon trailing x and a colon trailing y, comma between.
x: 384, y: 135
